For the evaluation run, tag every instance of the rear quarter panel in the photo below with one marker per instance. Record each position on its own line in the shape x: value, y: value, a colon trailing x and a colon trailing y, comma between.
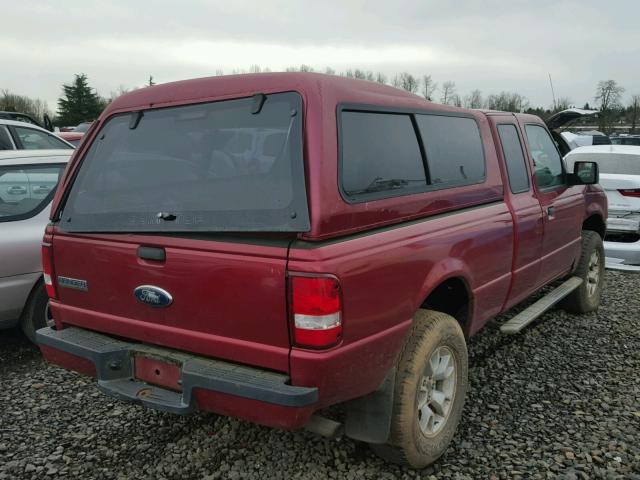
x: 386, y: 276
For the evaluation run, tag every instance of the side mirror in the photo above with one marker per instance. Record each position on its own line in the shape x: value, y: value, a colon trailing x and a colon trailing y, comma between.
x: 584, y: 173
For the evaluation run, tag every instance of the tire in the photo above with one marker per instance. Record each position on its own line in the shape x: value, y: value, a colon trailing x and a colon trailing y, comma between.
x: 586, y: 298
x: 438, y: 336
x: 36, y: 313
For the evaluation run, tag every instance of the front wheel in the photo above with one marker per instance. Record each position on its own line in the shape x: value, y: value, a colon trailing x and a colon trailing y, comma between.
x: 586, y: 298
x: 429, y: 394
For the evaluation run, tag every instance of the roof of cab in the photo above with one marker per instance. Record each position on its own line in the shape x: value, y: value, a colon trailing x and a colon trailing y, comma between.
x: 330, y: 87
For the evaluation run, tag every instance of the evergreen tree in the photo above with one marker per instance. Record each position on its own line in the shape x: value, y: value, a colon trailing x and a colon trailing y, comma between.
x: 79, y: 102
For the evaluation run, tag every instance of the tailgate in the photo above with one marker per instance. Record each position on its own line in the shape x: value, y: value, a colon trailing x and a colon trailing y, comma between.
x: 228, y: 298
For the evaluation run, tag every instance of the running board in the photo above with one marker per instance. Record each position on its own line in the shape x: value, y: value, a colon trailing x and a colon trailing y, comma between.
x: 529, y: 314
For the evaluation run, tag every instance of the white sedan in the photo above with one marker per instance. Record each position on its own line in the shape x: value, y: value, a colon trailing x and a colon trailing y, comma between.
x: 28, y: 180
x: 16, y: 135
x: 619, y: 167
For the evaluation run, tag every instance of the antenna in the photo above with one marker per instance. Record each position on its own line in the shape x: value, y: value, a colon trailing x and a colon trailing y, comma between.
x: 552, y: 93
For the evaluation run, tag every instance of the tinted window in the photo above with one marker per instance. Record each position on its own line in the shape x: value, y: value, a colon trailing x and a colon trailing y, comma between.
x: 33, y: 139
x: 208, y: 167
x: 5, y: 139
x: 546, y: 159
x: 454, y: 149
x: 514, y: 158
x: 26, y: 190
x: 380, y: 153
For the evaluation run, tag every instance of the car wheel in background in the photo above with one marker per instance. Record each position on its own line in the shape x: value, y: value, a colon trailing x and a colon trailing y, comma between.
x: 36, y: 313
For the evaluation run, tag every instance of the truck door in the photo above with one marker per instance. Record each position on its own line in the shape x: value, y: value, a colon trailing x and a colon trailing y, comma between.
x: 526, y: 209
x: 562, y: 206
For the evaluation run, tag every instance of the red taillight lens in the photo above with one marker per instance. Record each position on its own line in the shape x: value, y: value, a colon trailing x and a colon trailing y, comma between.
x: 317, y: 311
x: 47, y: 270
x: 630, y: 192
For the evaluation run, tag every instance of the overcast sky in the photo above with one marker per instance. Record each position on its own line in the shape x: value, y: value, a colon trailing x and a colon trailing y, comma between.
x: 491, y: 45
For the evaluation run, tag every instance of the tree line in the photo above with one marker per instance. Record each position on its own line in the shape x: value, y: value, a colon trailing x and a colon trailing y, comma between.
x: 80, y: 102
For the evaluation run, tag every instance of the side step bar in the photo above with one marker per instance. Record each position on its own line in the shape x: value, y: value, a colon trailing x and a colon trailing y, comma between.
x: 529, y: 314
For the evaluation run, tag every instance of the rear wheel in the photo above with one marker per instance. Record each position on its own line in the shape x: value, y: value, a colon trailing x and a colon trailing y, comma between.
x: 430, y: 387
x: 36, y: 314
x: 586, y: 298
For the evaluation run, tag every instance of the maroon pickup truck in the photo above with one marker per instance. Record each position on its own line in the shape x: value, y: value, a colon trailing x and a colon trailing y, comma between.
x: 265, y: 246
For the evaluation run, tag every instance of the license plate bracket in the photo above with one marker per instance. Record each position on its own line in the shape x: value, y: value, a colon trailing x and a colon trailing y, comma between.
x: 158, y: 371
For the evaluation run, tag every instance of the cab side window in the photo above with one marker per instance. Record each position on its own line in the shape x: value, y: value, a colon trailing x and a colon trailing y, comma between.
x: 514, y: 158
x: 546, y: 159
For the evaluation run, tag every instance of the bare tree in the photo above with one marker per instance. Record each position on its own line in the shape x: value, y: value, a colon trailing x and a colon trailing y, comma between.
x: 19, y: 103
x: 406, y: 81
x: 255, y: 68
x: 562, y: 103
x: 507, y: 102
x: 448, y: 92
x: 329, y: 71
x: 634, y: 110
x: 608, y: 94
x: 474, y: 99
x: 380, y: 78
x: 428, y: 87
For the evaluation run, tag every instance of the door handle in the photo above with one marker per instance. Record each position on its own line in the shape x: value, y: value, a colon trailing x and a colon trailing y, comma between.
x: 551, y: 212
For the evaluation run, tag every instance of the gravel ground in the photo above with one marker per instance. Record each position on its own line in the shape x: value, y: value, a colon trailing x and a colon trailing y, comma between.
x: 561, y: 400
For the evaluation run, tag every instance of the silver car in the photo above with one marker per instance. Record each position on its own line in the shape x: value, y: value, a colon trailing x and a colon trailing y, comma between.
x: 28, y: 179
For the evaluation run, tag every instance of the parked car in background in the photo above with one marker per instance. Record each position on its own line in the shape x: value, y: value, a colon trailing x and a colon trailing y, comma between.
x: 620, y: 177
x: 583, y: 139
x: 26, y: 118
x: 28, y: 180
x: 626, y: 140
x: 563, y: 119
x: 82, y: 127
x: 265, y: 246
x: 17, y: 135
x: 74, y: 138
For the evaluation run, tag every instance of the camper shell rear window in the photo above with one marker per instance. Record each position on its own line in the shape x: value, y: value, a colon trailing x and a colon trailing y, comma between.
x: 227, y: 166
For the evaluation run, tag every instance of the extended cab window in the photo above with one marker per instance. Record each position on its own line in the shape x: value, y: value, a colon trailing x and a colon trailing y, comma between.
x: 546, y: 159
x: 454, y: 149
x: 213, y: 167
x: 26, y: 189
x: 514, y: 158
x: 380, y: 155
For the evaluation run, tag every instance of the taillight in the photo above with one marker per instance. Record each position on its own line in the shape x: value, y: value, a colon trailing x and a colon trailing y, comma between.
x: 630, y: 192
x: 316, y: 305
x: 47, y: 270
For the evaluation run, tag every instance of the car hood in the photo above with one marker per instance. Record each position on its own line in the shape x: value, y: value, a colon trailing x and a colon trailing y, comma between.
x: 559, y: 119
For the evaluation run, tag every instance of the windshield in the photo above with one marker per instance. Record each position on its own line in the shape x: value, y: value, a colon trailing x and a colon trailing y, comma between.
x: 617, y: 163
x: 234, y: 165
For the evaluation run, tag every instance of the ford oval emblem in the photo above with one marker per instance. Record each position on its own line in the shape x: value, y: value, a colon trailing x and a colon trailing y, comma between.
x: 153, y: 296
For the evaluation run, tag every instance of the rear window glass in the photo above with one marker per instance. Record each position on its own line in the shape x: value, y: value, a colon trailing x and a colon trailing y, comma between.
x: 512, y: 149
x: 454, y: 149
x: 380, y: 155
x: 608, y: 162
x: 207, y: 167
x: 33, y: 139
x: 25, y: 189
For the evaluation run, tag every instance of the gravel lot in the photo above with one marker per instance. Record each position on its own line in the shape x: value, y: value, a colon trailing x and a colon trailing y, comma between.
x: 561, y: 400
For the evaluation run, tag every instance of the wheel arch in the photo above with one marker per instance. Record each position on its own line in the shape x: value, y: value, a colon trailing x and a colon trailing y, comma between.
x: 595, y: 223
x: 452, y: 295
